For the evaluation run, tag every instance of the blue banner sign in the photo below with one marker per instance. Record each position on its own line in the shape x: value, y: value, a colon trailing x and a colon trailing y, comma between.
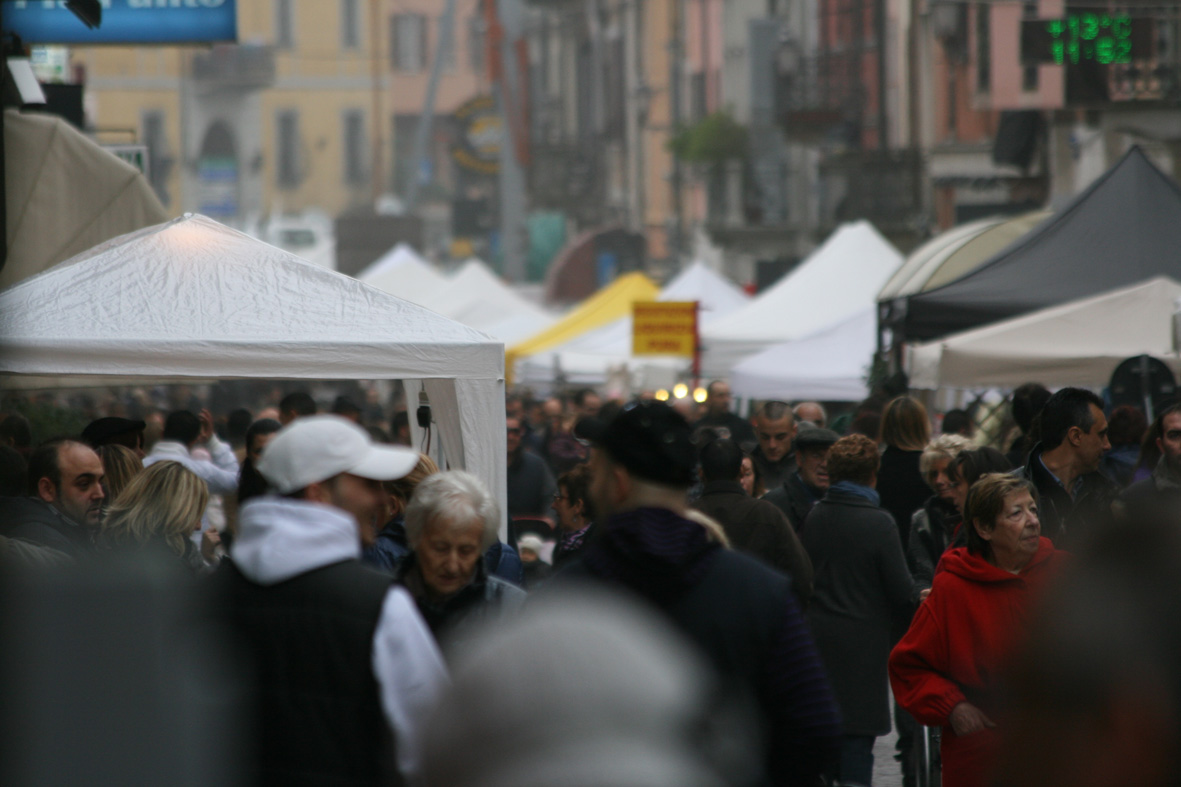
x: 124, y: 22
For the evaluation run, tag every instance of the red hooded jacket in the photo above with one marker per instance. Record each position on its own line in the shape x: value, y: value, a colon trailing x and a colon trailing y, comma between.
x: 957, y: 645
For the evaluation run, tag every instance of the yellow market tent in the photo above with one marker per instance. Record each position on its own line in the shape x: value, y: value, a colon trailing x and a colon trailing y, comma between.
x: 607, y: 305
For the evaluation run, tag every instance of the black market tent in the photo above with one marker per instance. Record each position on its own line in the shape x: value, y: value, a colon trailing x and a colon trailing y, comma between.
x: 1124, y: 228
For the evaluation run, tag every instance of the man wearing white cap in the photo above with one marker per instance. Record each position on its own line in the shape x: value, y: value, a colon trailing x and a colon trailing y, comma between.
x: 342, y: 658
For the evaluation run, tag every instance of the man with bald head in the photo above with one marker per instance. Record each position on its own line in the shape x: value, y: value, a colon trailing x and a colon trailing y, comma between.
x: 718, y: 416
x: 812, y: 412
x: 775, y: 429
x: 65, y: 499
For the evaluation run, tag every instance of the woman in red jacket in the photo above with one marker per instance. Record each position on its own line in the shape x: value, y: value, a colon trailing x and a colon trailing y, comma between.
x: 944, y: 671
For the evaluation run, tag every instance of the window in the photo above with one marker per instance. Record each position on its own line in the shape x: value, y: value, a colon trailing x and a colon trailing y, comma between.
x: 1029, y: 73
x: 408, y: 42
x: 356, y: 169
x: 159, y: 162
x: 475, y: 43
x: 350, y: 24
x: 983, y: 47
x: 287, y: 162
x: 284, y: 23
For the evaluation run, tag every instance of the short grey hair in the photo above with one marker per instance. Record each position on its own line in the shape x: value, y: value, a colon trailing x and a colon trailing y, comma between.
x: 945, y: 446
x: 455, y: 499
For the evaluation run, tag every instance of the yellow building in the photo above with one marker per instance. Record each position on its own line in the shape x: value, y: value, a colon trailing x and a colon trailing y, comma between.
x: 313, y: 108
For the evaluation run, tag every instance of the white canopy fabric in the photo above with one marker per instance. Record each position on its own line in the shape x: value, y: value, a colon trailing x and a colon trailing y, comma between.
x: 402, y: 272
x: 193, y: 299
x: 587, y: 359
x: 837, y: 281
x: 478, y: 298
x: 1076, y: 343
x: 65, y: 194
x: 829, y: 366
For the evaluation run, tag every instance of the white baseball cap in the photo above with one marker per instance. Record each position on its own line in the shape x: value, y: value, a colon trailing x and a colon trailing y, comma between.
x: 318, y: 447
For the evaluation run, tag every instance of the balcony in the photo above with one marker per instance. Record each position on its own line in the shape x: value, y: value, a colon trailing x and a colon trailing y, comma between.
x: 234, y: 67
x: 819, y: 96
x: 883, y: 187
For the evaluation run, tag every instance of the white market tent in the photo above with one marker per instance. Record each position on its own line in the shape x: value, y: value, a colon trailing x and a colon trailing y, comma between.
x: 402, y: 272
x: 478, y: 298
x: 1076, y: 343
x: 587, y: 359
x: 829, y: 366
x: 193, y: 299
x: 837, y: 281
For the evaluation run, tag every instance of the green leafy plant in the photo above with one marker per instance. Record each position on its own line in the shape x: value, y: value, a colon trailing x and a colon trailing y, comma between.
x: 714, y: 139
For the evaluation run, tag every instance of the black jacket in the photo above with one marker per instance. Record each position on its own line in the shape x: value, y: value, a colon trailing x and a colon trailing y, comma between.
x: 740, y: 614
x: 760, y: 529
x: 774, y: 473
x: 484, y: 598
x: 739, y: 428
x: 312, y: 637
x: 794, y: 498
x: 37, y: 522
x: 931, y: 532
x: 861, y: 593
x: 530, y: 485
x: 1066, y: 519
x: 901, y: 486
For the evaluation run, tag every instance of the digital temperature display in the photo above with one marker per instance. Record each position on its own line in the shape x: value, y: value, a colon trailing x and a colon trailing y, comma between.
x: 1079, y: 38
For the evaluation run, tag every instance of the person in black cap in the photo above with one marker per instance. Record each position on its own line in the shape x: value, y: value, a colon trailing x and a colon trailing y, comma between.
x: 738, y: 611
x: 796, y: 495
x: 117, y: 431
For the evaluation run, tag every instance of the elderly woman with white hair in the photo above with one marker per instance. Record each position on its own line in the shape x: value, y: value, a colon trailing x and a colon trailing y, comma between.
x: 451, y: 522
x: 934, y: 523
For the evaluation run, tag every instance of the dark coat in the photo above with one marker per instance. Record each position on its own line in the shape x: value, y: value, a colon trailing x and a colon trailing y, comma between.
x: 35, y: 521
x: 1066, y: 519
x: 531, y: 485
x: 932, y: 529
x: 742, y: 617
x: 774, y: 473
x: 861, y: 593
x: 794, y: 498
x: 484, y: 598
x: 901, y: 486
x: 760, y: 529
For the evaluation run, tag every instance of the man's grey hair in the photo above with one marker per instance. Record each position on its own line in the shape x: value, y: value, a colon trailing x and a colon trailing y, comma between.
x: 823, y: 412
x: 456, y: 500
x: 773, y: 411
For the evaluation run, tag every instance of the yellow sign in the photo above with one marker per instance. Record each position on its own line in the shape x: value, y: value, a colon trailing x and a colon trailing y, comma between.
x: 664, y: 328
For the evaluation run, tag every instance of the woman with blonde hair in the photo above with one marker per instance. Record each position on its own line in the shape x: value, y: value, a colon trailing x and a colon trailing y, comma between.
x: 120, y: 465
x: 388, y: 546
x: 160, y: 507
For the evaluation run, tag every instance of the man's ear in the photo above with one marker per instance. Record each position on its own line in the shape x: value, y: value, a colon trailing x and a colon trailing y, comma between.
x: 1075, y: 435
x: 47, y: 490
x: 623, y: 483
x: 316, y: 492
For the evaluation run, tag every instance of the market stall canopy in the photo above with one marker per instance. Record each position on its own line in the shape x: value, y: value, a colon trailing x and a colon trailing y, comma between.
x: 837, y: 281
x: 956, y: 252
x: 1125, y: 228
x: 65, y: 194
x: 402, y: 272
x: 586, y: 359
x: 478, y: 298
x: 831, y: 365
x: 1076, y: 343
x: 192, y: 299
x: 605, y: 306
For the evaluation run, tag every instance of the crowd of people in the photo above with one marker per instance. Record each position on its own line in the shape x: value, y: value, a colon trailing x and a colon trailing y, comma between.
x: 793, y: 571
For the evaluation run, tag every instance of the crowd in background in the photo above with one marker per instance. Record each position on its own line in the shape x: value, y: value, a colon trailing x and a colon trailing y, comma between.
x: 809, y: 562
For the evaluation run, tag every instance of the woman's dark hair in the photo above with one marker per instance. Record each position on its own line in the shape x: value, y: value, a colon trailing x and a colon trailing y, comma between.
x: 575, y: 483
x: 986, y: 502
x: 975, y: 462
x: 263, y: 426
x: 1126, y: 425
x: 905, y: 424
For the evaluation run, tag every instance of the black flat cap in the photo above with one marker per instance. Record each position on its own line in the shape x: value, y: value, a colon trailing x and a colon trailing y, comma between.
x: 650, y: 439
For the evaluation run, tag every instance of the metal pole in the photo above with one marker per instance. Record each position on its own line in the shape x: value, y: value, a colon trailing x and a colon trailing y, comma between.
x: 509, y: 93
x: 427, y: 117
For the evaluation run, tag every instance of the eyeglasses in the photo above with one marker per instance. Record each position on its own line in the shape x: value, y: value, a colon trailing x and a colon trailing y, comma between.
x: 514, y: 431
